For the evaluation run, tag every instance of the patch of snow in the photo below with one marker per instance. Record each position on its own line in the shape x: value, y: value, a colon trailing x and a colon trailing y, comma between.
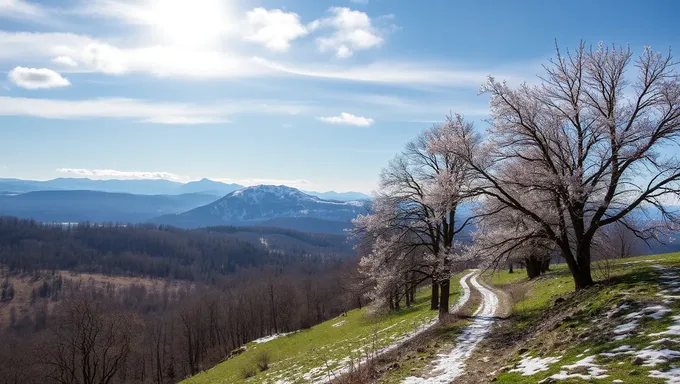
x: 587, y: 364
x: 653, y: 357
x: 452, y: 365
x: 529, y: 366
x: 656, y: 312
x: 269, y: 338
x: 671, y: 377
x: 625, y: 328
x: 339, y: 324
x: 622, y: 350
x: 673, y: 330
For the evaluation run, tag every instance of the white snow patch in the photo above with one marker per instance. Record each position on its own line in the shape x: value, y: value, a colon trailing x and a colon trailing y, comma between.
x: 653, y: 357
x: 625, y: 329
x: 673, y: 330
x: 452, y: 365
x: 656, y: 312
x: 672, y: 376
x: 339, y: 324
x: 529, y: 366
x: 269, y: 338
x: 587, y: 364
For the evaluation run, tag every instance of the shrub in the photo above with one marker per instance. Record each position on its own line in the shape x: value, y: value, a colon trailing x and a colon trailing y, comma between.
x: 247, y: 372
x: 263, y: 360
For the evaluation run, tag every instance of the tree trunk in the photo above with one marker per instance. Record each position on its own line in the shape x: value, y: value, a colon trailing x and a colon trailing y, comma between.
x: 545, y: 265
x: 397, y: 300
x: 510, y: 268
x: 533, y: 267
x: 434, y: 303
x: 579, y: 266
x: 407, y: 296
x: 444, y: 297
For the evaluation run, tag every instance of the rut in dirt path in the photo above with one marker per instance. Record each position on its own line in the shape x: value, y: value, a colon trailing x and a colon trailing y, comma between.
x: 450, y: 366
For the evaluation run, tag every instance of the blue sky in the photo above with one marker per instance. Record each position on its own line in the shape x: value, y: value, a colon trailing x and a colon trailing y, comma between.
x: 313, y: 94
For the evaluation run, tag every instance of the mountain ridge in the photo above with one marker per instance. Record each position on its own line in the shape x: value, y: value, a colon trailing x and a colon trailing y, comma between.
x: 148, y: 187
x: 258, y: 205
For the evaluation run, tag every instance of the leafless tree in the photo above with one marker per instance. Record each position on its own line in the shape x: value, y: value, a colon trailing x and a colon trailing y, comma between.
x: 593, y: 143
x: 89, y: 345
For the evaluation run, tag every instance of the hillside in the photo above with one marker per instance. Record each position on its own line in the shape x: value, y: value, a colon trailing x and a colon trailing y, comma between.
x: 260, y: 204
x: 623, y: 330
x: 336, y: 347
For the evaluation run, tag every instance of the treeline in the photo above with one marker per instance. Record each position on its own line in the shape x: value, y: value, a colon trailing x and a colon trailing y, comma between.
x: 142, y: 335
x: 157, y: 251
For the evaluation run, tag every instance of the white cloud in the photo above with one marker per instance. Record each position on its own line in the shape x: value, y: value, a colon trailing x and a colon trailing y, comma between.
x: 275, y: 29
x: 353, y: 30
x: 20, y: 9
x: 65, y: 61
x: 37, y: 78
x: 349, y: 119
x: 124, y: 175
x: 156, y: 175
x: 410, y: 73
x: 141, y: 110
x: 94, y: 55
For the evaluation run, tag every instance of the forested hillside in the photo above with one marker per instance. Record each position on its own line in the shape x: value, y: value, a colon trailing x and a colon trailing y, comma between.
x: 160, y: 251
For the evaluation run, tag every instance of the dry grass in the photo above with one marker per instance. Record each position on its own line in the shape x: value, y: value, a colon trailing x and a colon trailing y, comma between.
x: 24, y: 284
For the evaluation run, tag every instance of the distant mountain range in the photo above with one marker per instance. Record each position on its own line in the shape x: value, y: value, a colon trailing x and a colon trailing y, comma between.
x: 95, y: 206
x: 147, y: 187
x: 199, y: 206
x: 268, y: 205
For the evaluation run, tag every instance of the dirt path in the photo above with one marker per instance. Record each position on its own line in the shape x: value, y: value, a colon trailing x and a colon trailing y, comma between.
x: 450, y: 366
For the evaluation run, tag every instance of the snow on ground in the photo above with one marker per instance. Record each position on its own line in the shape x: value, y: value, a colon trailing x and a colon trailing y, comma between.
x: 585, y: 369
x: 338, y: 324
x: 269, y: 338
x: 671, y: 377
x: 452, y: 365
x: 531, y: 365
x: 653, y: 357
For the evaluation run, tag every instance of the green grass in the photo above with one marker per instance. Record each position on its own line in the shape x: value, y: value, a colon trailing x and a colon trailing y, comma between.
x: 324, y: 349
x: 587, y: 327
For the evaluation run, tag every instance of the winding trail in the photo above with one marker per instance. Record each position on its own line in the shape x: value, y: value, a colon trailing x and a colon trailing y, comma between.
x: 452, y: 365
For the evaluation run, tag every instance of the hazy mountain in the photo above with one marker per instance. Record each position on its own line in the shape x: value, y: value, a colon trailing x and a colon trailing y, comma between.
x: 207, y: 186
x: 270, y: 205
x: 79, y: 206
x: 147, y: 187
x: 340, y: 196
x: 142, y: 187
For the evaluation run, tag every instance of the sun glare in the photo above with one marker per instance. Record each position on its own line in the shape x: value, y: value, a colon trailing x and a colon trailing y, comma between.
x: 190, y: 22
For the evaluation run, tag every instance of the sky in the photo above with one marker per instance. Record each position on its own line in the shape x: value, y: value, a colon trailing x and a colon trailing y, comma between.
x: 318, y: 95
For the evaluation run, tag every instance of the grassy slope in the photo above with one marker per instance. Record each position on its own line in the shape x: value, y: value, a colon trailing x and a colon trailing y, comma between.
x: 581, y: 327
x: 325, y: 348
